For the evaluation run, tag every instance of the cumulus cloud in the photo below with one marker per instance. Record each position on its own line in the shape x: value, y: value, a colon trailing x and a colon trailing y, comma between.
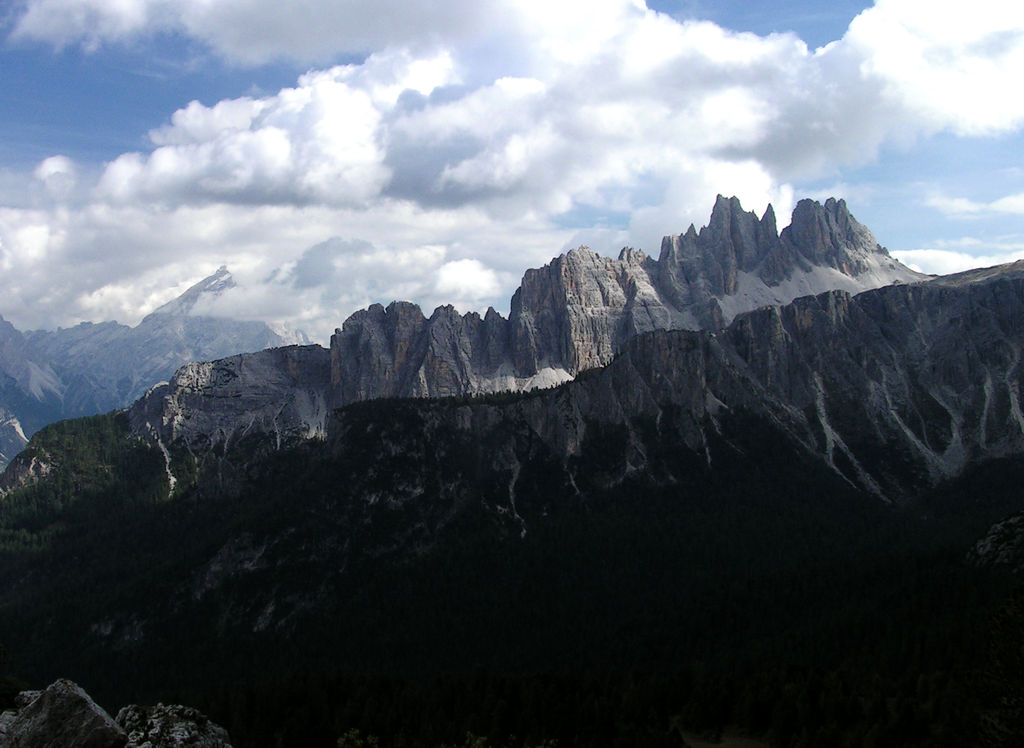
x: 319, y: 142
x: 955, y: 257
x: 470, y: 141
x: 58, y: 175
x: 120, y: 262
x: 467, y: 279
x: 620, y: 97
x: 947, y: 65
x: 962, y: 207
x: 257, y: 31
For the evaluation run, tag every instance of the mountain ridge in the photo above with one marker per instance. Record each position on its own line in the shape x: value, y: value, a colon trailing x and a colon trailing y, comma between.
x: 96, y: 367
x: 570, y: 315
x: 576, y: 311
x: 847, y: 377
x: 925, y: 373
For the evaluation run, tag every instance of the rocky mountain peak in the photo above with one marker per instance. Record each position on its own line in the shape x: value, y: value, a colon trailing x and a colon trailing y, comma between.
x: 828, y: 235
x: 732, y: 235
x: 632, y: 255
x: 712, y: 261
x: 210, y: 286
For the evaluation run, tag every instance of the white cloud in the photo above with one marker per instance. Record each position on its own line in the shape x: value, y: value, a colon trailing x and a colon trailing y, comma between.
x: 319, y: 142
x: 257, y: 31
x: 941, y: 261
x: 1010, y: 204
x: 962, y: 207
x: 589, y: 130
x: 448, y: 160
x: 122, y: 261
x: 254, y: 31
x: 58, y: 174
x: 467, y: 279
x: 950, y: 65
x: 91, y: 22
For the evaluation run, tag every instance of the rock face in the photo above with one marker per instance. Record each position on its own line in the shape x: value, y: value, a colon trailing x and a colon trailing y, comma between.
x: 62, y: 715
x: 270, y: 399
x: 12, y: 436
x: 894, y: 389
x: 397, y: 352
x: 93, y: 368
x: 170, y: 726
x: 576, y: 312
x: 571, y: 315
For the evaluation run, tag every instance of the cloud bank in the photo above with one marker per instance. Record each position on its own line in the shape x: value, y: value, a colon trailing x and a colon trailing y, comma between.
x: 469, y: 141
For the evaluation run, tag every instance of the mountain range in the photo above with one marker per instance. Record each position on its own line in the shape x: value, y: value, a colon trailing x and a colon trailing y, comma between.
x: 569, y: 316
x: 93, y: 368
x: 739, y: 484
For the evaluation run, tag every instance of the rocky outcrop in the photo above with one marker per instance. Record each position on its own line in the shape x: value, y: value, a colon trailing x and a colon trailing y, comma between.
x: 63, y: 715
x: 278, y: 395
x: 1002, y: 547
x: 12, y: 436
x: 24, y: 470
x: 170, y: 726
x: 397, y: 352
x: 573, y: 313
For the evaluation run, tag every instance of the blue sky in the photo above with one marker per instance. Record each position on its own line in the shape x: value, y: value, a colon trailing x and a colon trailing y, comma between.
x: 335, y: 154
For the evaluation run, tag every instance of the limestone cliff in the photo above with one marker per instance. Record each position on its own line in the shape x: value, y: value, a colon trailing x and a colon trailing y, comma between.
x: 571, y: 315
x: 273, y: 397
x: 894, y: 389
x: 576, y: 312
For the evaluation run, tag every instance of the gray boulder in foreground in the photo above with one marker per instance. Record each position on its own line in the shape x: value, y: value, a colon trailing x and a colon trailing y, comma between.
x: 64, y: 715
x: 170, y: 726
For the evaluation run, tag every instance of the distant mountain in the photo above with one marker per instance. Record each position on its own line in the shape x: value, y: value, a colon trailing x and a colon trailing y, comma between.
x: 108, y: 365
x: 31, y: 393
x: 94, y: 368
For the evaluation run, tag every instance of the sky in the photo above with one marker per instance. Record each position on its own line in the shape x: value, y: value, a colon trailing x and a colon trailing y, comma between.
x: 338, y: 153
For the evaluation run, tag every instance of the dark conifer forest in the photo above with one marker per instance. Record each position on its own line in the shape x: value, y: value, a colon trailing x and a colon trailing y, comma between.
x: 764, y: 597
